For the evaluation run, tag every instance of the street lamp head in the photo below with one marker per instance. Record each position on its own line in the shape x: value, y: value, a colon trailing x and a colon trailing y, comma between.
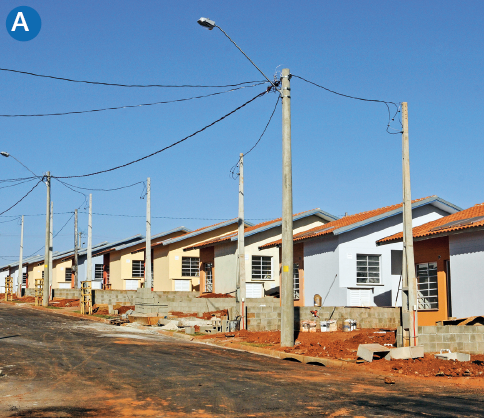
x: 5, y: 154
x: 207, y: 23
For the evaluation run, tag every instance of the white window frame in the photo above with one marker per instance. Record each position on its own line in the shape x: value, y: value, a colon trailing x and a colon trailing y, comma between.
x: 257, y: 261
x: 425, y: 284
x: 208, y: 268
x: 138, y: 269
x: 190, y: 267
x: 363, y: 262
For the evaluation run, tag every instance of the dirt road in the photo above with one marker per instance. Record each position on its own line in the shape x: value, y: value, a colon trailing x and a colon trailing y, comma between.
x: 55, y: 366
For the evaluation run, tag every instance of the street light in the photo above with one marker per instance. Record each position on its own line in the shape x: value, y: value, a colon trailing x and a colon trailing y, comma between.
x: 287, y: 274
x: 5, y: 154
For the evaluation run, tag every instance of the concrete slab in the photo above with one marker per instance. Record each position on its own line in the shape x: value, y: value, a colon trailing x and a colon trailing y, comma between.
x: 454, y: 356
x: 367, y: 351
x: 404, y: 353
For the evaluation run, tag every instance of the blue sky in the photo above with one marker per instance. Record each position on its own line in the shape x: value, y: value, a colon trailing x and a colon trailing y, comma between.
x: 429, y: 54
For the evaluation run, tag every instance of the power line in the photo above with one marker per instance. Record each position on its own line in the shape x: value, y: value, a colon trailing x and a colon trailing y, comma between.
x: 235, y: 166
x: 19, y: 179
x: 102, y: 190
x: 37, y: 214
x: 167, y: 147
x: 17, y: 184
x: 128, y: 106
x: 16, y: 203
x: 390, y: 118
x: 127, y: 85
x: 171, y: 217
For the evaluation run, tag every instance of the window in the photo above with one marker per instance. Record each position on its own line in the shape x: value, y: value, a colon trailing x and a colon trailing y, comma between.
x: 367, y: 268
x: 261, y: 267
x: 190, y: 266
x: 138, y: 268
x: 68, y: 275
x: 427, y: 292
x: 98, y: 271
x: 208, y: 277
x: 24, y: 278
x: 42, y: 273
x: 296, y: 281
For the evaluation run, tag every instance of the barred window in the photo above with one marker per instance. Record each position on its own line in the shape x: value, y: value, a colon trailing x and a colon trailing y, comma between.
x: 261, y: 267
x: 367, y: 268
x: 138, y: 268
x: 208, y: 277
x: 68, y: 277
x: 98, y: 271
x: 24, y: 278
x: 296, y: 281
x: 427, y: 292
x: 190, y: 266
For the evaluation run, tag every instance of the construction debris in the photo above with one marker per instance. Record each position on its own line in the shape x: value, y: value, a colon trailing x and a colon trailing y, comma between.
x: 448, y: 355
x: 369, y: 351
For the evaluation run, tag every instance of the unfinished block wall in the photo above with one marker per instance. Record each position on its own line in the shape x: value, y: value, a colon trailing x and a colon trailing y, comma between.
x: 461, y: 338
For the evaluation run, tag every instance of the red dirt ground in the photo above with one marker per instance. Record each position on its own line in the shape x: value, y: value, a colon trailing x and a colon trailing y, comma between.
x: 215, y: 295
x: 64, y: 303
x: 206, y: 315
x: 338, y: 344
x: 100, y: 310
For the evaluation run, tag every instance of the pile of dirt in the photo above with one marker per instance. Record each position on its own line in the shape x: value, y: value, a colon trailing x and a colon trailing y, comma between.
x: 124, y: 309
x: 100, y: 310
x: 27, y: 299
x: 338, y: 344
x: 64, y: 303
x: 430, y: 366
x: 205, y: 315
x: 215, y: 295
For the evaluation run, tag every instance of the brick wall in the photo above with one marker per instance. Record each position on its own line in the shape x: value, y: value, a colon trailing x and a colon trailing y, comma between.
x: 465, y: 339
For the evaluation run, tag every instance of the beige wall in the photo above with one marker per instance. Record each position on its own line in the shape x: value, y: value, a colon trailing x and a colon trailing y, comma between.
x: 59, y: 272
x: 173, y: 258
x: 35, y: 272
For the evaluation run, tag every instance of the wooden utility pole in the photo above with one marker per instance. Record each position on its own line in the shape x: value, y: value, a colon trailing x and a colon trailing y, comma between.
x: 20, y: 271
x: 46, y: 284
x: 89, y: 242
x: 76, y: 259
x: 410, y: 283
x: 148, y: 278
x: 240, y: 285
x: 51, y: 247
x: 287, y: 282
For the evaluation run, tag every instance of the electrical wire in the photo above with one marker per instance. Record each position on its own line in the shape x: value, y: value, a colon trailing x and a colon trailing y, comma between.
x: 126, y: 85
x: 386, y: 103
x: 17, y: 184
x: 167, y: 147
x: 16, y: 203
x: 11, y: 220
x: 101, y: 190
x: 128, y: 106
x: 19, y: 179
x: 172, y: 217
x: 235, y: 166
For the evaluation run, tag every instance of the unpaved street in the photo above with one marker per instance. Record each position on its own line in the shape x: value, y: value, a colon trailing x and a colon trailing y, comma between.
x: 56, y: 366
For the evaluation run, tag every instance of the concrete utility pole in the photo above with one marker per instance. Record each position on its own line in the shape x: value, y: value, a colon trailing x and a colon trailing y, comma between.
x: 89, y: 242
x: 51, y: 244
x: 46, y: 285
x: 287, y: 282
x: 20, y: 274
x: 411, y: 282
x: 76, y: 259
x: 240, y: 301
x: 148, y: 280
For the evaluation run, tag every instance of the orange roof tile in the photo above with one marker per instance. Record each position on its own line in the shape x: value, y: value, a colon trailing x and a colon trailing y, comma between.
x: 339, y: 223
x: 441, y: 226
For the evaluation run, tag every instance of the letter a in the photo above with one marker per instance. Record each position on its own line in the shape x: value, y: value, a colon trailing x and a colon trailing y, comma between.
x: 23, y: 23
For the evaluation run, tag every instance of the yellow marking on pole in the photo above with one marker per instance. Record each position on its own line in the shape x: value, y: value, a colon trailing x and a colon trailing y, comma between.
x: 285, y: 269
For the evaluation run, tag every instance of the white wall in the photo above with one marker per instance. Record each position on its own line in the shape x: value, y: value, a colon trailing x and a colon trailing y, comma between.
x: 467, y: 273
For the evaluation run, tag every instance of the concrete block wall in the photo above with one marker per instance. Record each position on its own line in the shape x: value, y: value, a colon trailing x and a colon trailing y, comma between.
x: 66, y: 293
x: 113, y: 297
x: 267, y: 317
x: 465, y: 339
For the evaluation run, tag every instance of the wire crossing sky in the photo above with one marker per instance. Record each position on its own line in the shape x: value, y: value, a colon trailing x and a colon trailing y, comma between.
x: 343, y: 159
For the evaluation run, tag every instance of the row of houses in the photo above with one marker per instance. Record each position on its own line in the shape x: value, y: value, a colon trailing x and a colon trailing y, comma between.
x: 354, y: 260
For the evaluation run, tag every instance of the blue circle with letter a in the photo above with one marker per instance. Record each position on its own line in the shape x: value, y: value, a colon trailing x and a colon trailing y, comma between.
x: 23, y: 23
